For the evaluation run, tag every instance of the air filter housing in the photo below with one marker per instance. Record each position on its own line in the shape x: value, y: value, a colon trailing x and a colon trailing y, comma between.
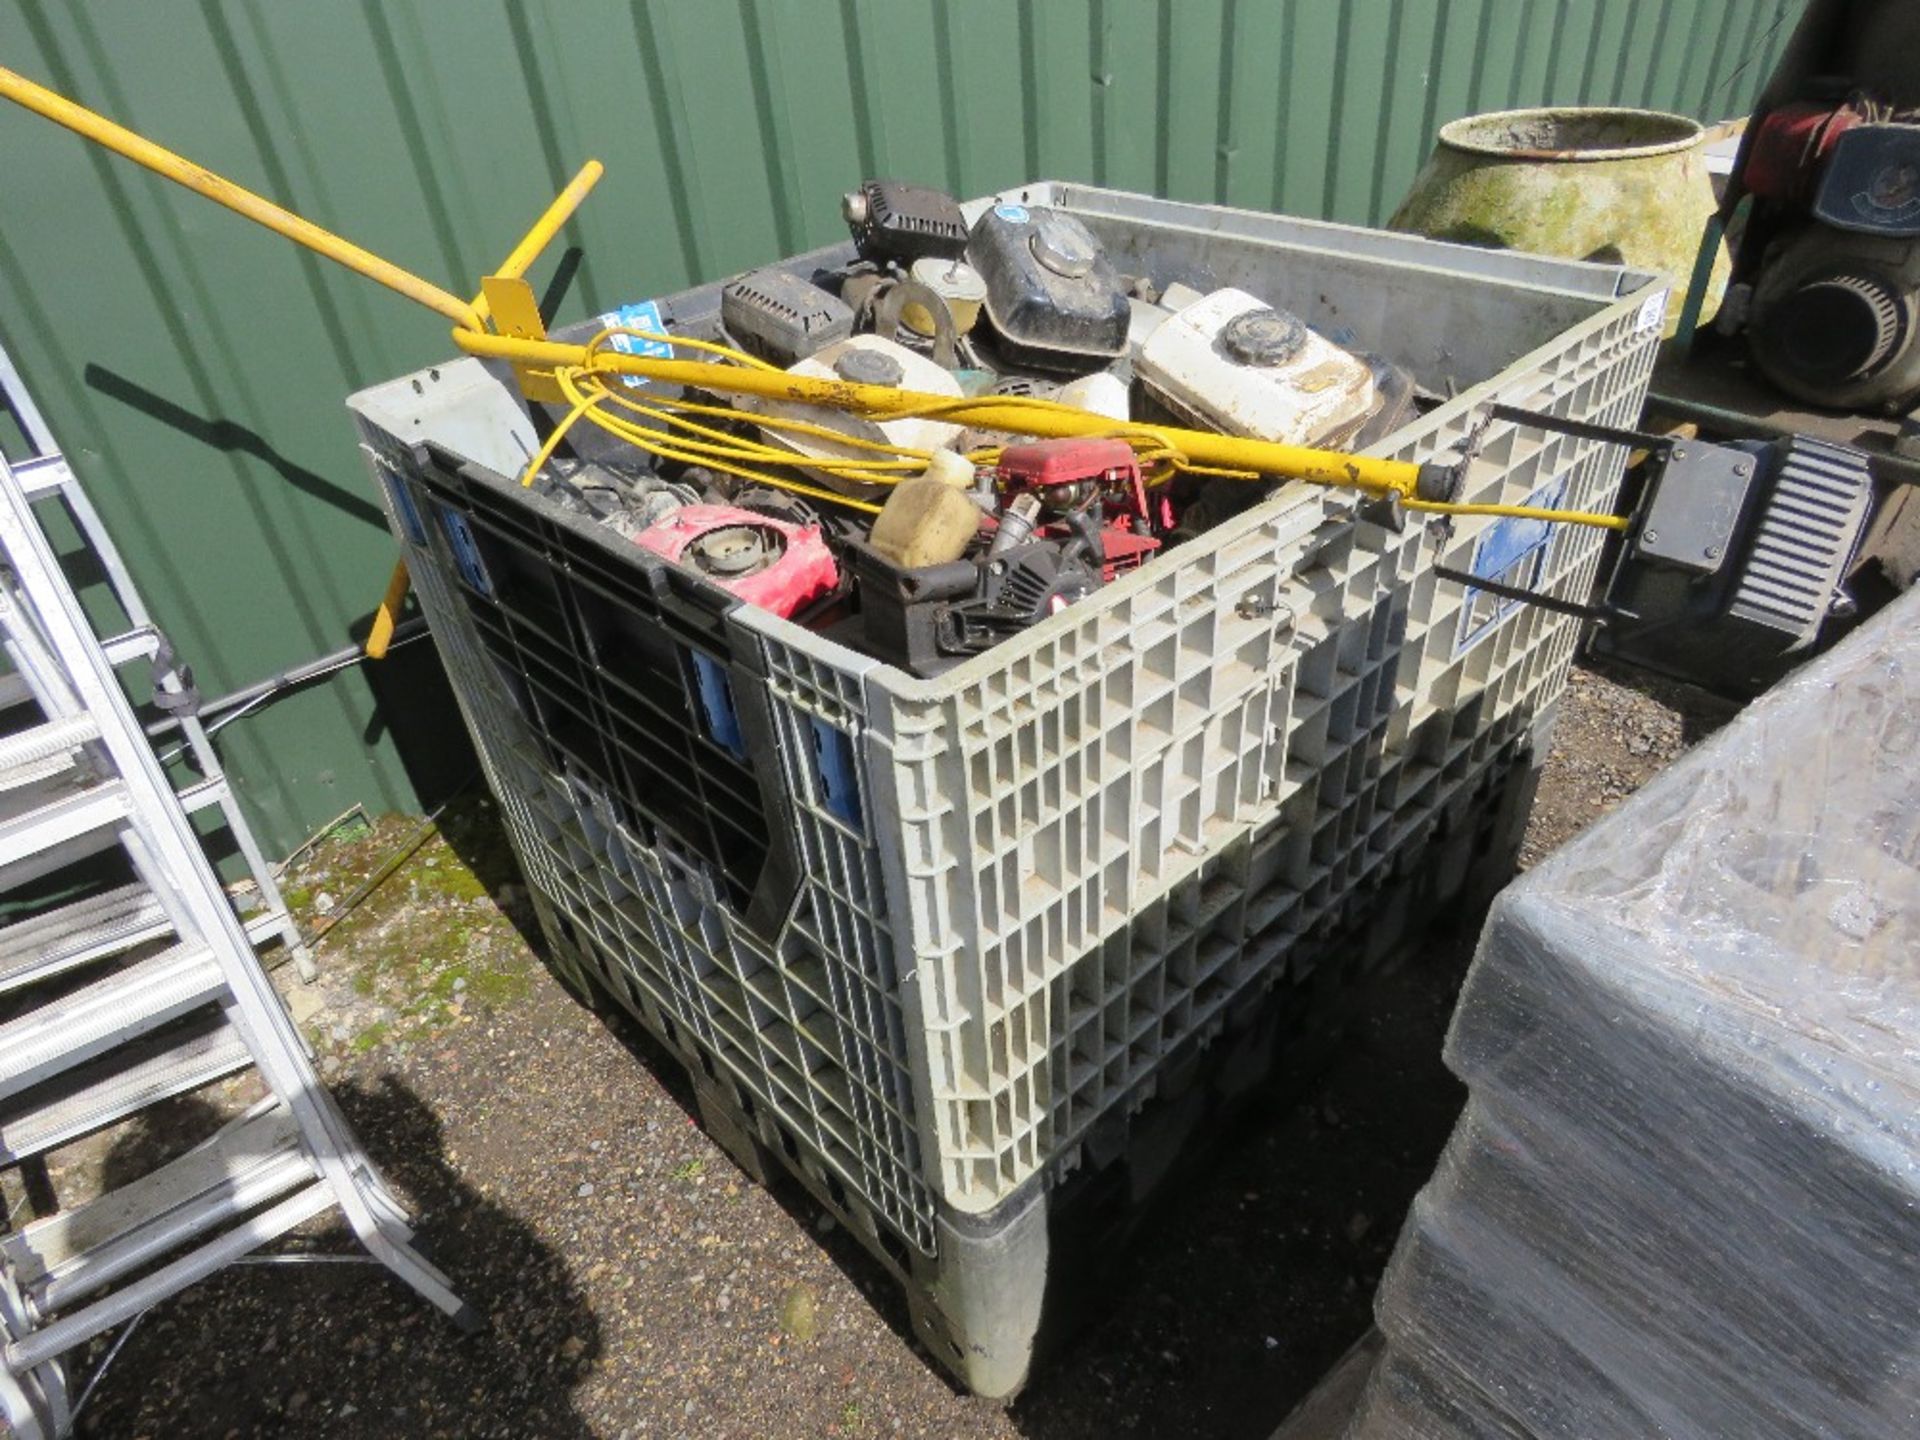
x: 780, y: 317
x: 1836, y: 313
x: 895, y: 221
x: 1053, y: 298
x: 1836, y: 319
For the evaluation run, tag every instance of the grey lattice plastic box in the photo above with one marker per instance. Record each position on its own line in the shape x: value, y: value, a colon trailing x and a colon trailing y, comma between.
x: 935, y: 943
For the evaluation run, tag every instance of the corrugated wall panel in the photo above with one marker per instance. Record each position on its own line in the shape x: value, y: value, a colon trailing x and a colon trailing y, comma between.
x: 196, y: 367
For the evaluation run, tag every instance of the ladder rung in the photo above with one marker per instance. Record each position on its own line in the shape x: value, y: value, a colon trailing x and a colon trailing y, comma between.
x: 42, y: 1345
x: 90, y: 929
x: 115, y: 1085
x: 87, y: 930
x: 38, y: 823
x: 25, y: 753
x: 38, y: 771
x: 43, y: 1245
x: 94, y: 1269
x: 62, y: 1033
x: 202, y: 793
x: 43, y: 475
x: 244, y: 1151
x: 140, y: 644
x: 56, y: 858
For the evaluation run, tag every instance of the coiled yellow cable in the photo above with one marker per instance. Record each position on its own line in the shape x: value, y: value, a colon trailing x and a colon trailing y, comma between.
x: 594, y: 391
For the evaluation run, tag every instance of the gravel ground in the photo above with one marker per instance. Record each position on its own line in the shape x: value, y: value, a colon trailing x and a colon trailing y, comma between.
x: 635, y: 1284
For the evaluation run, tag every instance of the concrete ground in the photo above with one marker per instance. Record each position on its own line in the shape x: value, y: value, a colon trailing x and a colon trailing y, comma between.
x: 635, y: 1284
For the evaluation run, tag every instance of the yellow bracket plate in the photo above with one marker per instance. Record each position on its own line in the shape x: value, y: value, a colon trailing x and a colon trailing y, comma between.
x: 517, y: 314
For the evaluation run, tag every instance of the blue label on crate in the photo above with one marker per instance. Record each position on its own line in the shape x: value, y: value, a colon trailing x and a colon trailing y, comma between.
x: 716, y: 704
x: 834, y: 765
x: 644, y: 316
x: 1512, y: 551
x: 403, y: 506
x: 466, y: 554
x: 1012, y: 214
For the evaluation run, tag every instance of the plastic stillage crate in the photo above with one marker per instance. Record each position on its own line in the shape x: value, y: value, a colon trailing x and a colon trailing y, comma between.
x: 937, y: 946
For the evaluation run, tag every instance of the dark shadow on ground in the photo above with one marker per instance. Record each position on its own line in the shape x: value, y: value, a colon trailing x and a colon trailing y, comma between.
x: 1701, y: 711
x: 344, y: 1351
x: 1243, y: 1285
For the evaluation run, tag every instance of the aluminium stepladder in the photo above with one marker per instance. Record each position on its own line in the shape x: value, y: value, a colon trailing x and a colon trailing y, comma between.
x: 130, y: 915
x: 99, y: 1036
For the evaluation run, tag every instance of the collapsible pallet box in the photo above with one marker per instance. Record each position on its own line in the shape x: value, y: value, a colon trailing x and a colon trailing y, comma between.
x: 938, y: 945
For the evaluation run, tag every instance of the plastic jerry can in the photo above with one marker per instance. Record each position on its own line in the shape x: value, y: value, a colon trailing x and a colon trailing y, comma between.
x: 1233, y: 363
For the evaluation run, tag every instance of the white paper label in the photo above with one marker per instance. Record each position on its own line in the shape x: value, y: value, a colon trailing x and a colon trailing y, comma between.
x: 1653, y: 312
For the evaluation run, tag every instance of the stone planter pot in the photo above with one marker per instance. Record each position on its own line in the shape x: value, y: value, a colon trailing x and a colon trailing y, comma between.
x: 1626, y: 186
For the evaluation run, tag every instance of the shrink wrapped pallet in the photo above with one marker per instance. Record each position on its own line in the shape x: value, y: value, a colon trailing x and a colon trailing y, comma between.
x: 1685, y: 1197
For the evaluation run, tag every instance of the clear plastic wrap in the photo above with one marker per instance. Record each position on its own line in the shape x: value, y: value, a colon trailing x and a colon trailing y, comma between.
x: 1404, y: 1401
x: 1685, y: 1198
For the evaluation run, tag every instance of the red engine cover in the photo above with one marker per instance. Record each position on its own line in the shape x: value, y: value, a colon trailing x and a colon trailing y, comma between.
x: 782, y: 567
x: 1783, y: 162
x: 1125, y: 549
x: 1127, y: 538
x: 1063, y: 462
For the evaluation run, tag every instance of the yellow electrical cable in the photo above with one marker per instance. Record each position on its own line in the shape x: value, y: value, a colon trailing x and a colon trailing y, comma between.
x: 656, y: 444
x: 679, y: 342
x: 1024, y: 415
x: 909, y: 458
x: 914, y: 461
x: 720, y: 447
x: 1153, y: 446
x: 583, y: 385
x: 552, y: 443
x: 773, y: 422
x: 730, y: 452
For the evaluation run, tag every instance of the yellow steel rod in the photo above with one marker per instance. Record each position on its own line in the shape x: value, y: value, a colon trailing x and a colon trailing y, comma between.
x: 380, y: 634
x: 1201, y: 446
x: 546, y: 227
x: 387, y: 616
x: 256, y: 208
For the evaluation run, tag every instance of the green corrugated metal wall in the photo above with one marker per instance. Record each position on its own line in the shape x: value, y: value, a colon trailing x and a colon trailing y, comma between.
x: 196, y: 366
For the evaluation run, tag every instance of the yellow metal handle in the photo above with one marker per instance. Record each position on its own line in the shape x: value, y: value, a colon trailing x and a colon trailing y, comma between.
x: 256, y: 208
x: 469, y: 317
x: 545, y: 228
x: 380, y: 636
